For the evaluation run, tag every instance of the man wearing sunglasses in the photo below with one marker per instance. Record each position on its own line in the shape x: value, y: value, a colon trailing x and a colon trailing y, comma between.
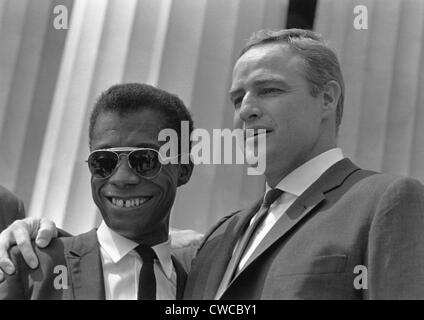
x: 134, y: 187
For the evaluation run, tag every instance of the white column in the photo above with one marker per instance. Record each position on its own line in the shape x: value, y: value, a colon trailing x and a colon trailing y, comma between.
x: 405, y: 89
x: 21, y: 82
x: 61, y: 144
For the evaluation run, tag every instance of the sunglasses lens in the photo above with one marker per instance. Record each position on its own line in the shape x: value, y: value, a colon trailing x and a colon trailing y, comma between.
x: 102, y: 163
x: 145, y: 162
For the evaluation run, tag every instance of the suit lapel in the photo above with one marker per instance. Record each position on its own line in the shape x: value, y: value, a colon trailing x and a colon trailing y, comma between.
x: 223, y: 251
x: 181, y: 278
x: 297, y: 211
x: 84, y: 263
x: 303, y: 206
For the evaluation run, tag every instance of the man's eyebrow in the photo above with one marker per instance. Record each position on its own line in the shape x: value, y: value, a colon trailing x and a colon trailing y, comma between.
x: 262, y: 82
x: 150, y: 145
x: 102, y: 146
x: 277, y: 81
x: 234, y: 93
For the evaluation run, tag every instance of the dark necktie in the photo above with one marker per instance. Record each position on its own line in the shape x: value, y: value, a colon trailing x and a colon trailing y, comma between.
x: 147, y: 280
x: 270, y: 197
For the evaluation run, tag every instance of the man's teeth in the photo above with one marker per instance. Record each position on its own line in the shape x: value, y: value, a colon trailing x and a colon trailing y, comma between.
x: 129, y: 203
x: 253, y: 133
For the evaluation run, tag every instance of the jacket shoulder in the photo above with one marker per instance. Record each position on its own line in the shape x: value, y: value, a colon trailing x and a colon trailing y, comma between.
x: 385, y: 182
x: 217, y: 226
x: 38, y: 283
x: 27, y: 283
x: 55, y: 253
x: 51, y: 255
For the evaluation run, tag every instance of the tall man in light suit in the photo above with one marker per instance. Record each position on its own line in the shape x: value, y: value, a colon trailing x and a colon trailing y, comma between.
x: 332, y: 230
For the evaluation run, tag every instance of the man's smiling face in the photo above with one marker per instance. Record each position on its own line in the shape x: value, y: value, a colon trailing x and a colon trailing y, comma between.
x: 135, y: 207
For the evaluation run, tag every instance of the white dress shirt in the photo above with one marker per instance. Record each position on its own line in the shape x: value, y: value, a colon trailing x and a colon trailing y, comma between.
x: 122, y: 265
x: 293, y: 185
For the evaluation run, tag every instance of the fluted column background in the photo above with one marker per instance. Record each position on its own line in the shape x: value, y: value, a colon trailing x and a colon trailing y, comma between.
x: 49, y: 80
x: 382, y: 127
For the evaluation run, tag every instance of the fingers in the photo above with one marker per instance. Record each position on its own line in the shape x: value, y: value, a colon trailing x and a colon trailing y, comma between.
x: 6, y: 238
x: 46, y: 232
x: 23, y: 242
x: 19, y: 233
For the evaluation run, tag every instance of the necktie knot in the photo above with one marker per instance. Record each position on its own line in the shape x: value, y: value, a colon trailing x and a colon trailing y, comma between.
x: 271, y: 196
x: 146, y: 253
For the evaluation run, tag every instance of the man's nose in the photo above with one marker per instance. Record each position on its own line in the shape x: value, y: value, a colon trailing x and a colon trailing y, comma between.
x: 250, y: 108
x: 124, y: 175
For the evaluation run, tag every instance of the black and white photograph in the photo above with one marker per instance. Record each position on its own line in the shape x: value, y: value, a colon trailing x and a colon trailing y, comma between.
x: 211, y: 150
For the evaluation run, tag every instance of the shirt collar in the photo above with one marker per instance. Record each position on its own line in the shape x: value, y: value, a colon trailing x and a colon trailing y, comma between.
x: 301, y: 178
x: 117, y: 247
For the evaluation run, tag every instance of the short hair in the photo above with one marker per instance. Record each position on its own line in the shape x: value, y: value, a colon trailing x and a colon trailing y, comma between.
x: 321, y: 63
x: 127, y: 98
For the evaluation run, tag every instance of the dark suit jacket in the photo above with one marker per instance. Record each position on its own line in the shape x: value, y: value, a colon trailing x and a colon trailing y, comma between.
x: 348, y: 220
x: 76, y: 258
x: 11, y: 208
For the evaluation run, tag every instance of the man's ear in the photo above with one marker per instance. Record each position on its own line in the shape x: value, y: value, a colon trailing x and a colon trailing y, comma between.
x: 331, y: 96
x: 184, y: 173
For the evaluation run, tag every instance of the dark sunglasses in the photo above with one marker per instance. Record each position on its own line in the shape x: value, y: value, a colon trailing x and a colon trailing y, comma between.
x: 145, y: 162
